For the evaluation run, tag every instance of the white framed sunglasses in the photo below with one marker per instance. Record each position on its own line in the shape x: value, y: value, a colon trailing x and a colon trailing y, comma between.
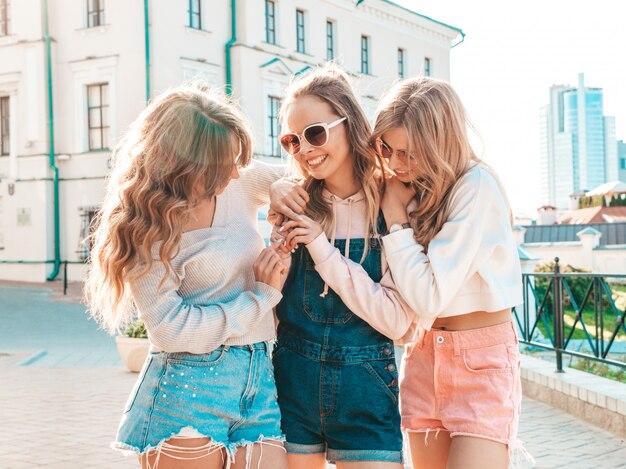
x: 316, y: 135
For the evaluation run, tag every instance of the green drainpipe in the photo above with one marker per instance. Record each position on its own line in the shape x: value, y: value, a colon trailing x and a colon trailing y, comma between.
x: 55, y: 171
x: 146, y: 27
x: 229, y: 45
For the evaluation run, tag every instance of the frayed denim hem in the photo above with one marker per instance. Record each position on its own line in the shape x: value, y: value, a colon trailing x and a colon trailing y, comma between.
x: 211, y: 447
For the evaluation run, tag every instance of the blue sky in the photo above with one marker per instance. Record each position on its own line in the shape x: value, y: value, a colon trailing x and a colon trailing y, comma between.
x: 513, y: 52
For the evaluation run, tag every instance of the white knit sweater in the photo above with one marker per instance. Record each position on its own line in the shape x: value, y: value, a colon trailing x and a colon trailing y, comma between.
x: 217, y: 300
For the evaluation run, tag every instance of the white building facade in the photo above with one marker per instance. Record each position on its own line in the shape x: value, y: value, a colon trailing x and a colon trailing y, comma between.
x: 586, y: 253
x: 75, y: 73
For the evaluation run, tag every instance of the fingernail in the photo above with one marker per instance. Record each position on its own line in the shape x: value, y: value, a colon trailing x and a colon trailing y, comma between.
x: 278, y: 241
x: 292, y: 251
x: 298, y: 217
x: 281, y: 229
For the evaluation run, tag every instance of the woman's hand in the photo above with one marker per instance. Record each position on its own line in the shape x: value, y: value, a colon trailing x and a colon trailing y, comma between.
x: 277, y: 239
x: 269, y: 268
x: 287, y: 199
x: 395, y: 200
x: 301, y: 231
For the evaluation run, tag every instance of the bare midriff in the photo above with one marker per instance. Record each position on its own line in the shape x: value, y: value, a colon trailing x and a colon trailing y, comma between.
x: 473, y: 320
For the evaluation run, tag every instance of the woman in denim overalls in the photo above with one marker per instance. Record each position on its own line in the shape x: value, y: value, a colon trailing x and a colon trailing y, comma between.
x: 336, y: 375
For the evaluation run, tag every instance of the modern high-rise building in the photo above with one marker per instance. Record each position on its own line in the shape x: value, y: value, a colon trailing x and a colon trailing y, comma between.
x: 578, y: 144
x: 621, y: 158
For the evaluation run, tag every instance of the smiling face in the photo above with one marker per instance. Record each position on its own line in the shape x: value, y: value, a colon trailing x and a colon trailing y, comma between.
x: 401, y: 162
x: 331, y: 161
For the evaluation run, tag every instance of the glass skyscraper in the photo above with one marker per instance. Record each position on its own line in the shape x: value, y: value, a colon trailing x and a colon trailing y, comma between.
x: 578, y: 146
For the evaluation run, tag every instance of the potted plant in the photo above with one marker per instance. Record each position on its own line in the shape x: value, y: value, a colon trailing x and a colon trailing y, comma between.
x: 133, y: 345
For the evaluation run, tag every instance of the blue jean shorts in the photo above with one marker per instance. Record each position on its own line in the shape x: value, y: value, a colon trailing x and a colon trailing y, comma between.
x: 228, y: 395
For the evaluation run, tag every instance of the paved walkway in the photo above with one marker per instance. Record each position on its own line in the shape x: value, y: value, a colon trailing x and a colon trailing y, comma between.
x: 61, y: 412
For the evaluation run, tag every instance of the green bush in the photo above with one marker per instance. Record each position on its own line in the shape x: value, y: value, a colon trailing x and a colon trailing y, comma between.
x: 618, y: 200
x: 577, y: 285
x: 592, y: 201
x: 136, y: 330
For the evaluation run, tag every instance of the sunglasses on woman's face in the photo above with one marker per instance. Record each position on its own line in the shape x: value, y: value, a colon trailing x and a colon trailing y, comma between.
x: 315, y: 135
x: 386, y: 152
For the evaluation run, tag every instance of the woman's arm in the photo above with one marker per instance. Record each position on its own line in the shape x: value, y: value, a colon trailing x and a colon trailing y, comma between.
x: 257, y: 178
x: 377, y: 303
x: 175, y: 325
x: 475, y: 226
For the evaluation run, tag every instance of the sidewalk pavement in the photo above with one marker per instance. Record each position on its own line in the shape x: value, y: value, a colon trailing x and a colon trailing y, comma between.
x: 61, y: 410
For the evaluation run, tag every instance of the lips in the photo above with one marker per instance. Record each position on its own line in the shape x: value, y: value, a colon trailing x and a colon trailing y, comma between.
x: 317, y: 161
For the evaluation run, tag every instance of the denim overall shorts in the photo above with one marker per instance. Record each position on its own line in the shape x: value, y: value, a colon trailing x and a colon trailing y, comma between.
x: 336, y: 376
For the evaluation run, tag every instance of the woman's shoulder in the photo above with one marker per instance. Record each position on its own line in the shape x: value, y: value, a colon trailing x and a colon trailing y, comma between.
x: 479, y: 180
x: 258, y: 168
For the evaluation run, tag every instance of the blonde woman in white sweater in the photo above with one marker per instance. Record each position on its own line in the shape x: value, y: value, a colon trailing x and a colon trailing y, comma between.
x: 177, y: 242
x: 453, y: 258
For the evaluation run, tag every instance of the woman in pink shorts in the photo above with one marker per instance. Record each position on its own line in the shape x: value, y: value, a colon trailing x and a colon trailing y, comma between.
x: 453, y: 258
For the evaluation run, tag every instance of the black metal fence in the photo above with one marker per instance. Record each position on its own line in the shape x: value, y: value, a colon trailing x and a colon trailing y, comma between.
x: 574, y: 314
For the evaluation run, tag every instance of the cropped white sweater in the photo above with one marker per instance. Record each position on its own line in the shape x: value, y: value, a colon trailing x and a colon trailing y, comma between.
x: 472, y: 264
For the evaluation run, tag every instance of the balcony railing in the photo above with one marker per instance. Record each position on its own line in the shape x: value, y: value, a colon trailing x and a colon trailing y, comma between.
x: 574, y: 314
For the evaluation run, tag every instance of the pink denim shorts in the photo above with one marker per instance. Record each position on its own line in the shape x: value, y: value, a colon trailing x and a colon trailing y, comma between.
x: 464, y: 382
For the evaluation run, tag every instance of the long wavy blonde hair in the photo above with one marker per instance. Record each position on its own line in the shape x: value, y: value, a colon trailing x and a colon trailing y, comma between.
x: 436, y: 123
x: 330, y: 84
x: 179, y: 151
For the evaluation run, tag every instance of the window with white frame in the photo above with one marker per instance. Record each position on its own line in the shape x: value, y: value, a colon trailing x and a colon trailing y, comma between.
x: 273, y: 105
x: 300, y: 32
x: 4, y: 17
x: 5, y: 126
x: 195, y: 14
x: 95, y: 13
x: 98, y: 116
x: 330, y: 40
x: 428, y: 66
x: 365, y: 55
x: 401, y: 56
x: 270, y: 21
x: 88, y: 215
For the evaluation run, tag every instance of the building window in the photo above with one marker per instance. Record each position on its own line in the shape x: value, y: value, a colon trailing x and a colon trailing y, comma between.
x: 270, y: 22
x: 401, y: 63
x: 5, y: 122
x: 95, y: 13
x: 428, y: 67
x: 98, y: 116
x: 87, y: 214
x: 622, y: 163
x: 365, y: 55
x: 330, y: 40
x: 273, y: 104
x: 4, y: 17
x: 195, y: 18
x: 300, y: 44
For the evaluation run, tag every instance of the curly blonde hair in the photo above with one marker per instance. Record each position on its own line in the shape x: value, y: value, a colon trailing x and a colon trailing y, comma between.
x: 180, y: 151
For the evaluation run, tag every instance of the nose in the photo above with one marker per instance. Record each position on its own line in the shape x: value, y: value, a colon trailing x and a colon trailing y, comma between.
x: 395, y: 163
x: 305, y: 147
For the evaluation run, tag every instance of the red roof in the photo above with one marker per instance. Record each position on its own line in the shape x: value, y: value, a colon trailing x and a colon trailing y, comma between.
x: 585, y: 216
